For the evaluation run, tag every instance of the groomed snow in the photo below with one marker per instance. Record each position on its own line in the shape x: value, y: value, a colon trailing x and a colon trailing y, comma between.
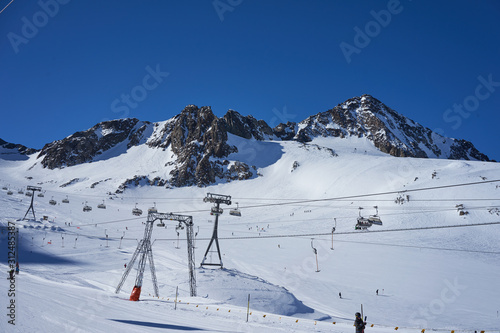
x: 69, y: 272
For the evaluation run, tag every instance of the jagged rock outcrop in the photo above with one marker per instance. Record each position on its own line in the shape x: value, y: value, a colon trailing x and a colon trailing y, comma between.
x: 390, y: 132
x: 85, y: 146
x: 247, y: 127
x: 12, y: 151
x: 199, y: 141
x: 197, y: 147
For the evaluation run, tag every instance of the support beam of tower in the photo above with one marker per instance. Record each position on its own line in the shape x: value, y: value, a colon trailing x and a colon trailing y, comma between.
x: 216, y: 199
x: 145, y: 252
x: 31, y: 207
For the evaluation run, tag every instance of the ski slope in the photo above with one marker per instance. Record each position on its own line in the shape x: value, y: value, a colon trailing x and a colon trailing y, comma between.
x: 441, y: 279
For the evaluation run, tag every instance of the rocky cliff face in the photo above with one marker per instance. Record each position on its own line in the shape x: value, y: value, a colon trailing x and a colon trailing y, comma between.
x: 390, y: 132
x: 83, y: 147
x: 198, y: 140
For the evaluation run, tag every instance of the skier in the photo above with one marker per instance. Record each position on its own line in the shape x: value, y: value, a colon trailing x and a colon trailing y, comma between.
x: 359, y: 323
x: 377, y: 292
x: 340, y: 295
x: 11, y: 274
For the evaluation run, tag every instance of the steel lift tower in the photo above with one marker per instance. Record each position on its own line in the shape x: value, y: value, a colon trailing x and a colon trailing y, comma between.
x: 33, y: 189
x: 216, y: 199
x: 144, y: 250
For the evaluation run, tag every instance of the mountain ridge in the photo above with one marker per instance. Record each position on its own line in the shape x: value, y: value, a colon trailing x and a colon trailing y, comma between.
x: 199, y: 149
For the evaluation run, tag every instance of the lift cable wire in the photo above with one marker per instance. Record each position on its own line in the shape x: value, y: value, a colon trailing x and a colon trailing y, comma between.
x: 361, y: 195
x: 6, y: 6
x: 294, y: 201
x: 347, y: 232
x: 323, y: 200
x: 418, y: 247
x: 324, y: 234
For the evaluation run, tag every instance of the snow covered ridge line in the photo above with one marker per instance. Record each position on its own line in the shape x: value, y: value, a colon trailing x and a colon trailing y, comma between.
x: 197, y: 148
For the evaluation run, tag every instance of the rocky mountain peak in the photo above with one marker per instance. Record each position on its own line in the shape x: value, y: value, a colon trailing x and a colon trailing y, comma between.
x: 390, y: 132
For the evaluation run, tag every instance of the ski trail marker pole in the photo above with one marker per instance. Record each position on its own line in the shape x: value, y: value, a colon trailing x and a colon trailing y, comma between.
x: 176, y: 293
x: 248, y: 306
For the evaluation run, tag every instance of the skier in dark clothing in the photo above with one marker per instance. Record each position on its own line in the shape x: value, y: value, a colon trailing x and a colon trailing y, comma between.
x: 359, y: 323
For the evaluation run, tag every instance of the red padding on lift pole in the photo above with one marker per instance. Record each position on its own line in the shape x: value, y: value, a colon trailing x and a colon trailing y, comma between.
x: 136, y: 292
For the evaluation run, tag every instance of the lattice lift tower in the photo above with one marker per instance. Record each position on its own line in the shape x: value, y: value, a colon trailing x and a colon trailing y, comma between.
x: 144, y: 250
x: 217, y: 199
x: 33, y: 189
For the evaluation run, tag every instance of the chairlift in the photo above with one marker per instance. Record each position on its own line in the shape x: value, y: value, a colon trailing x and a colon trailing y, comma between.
x: 375, y: 219
x: 65, y: 200
x: 41, y: 195
x: 153, y: 209
x: 362, y: 222
x: 161, y: 224
x: 10, y: 192
x: 20, y: 192
x: 52, y: 201
x: 136, y: 211
x: 235, y: 211
x: 5, y: 188
x: 29, y: 194
x: 87, y: 208
x: 101, y: 205
x: 214, y: 211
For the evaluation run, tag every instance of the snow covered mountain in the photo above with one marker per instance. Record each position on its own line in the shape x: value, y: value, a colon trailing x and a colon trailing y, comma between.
x: 197, y: 148
x: 390, y: 132
x: 434, y: 260
x: 12, y: 151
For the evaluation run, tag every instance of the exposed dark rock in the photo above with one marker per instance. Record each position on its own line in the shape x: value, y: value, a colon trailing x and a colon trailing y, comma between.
x: 12, y: 151
x: 83, y: 147
x: 196, y: 141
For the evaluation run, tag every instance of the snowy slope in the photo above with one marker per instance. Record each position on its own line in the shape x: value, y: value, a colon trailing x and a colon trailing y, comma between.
x: 433, y: 279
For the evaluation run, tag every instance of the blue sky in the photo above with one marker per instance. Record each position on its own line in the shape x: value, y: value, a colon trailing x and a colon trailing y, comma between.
x: 67, y: 65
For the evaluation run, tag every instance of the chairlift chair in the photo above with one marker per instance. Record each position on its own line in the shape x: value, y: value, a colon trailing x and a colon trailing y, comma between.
x: 153, y: 209
x: 161, y: 224
x: 87, y: 208
x: 136, y: 211
x: 10, y: 192
x: 375, y: 219
x: 362, y: 222
x: 41, y: 195
x: 101, y: 205
x: 235, y: 211
x: 214, y: 211
x: 20, y: 192
x: 65, y: 200
x: 52, y: 201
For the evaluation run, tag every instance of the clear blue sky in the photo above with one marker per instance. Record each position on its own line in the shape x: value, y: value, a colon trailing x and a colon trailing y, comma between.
x: 68, y: 66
